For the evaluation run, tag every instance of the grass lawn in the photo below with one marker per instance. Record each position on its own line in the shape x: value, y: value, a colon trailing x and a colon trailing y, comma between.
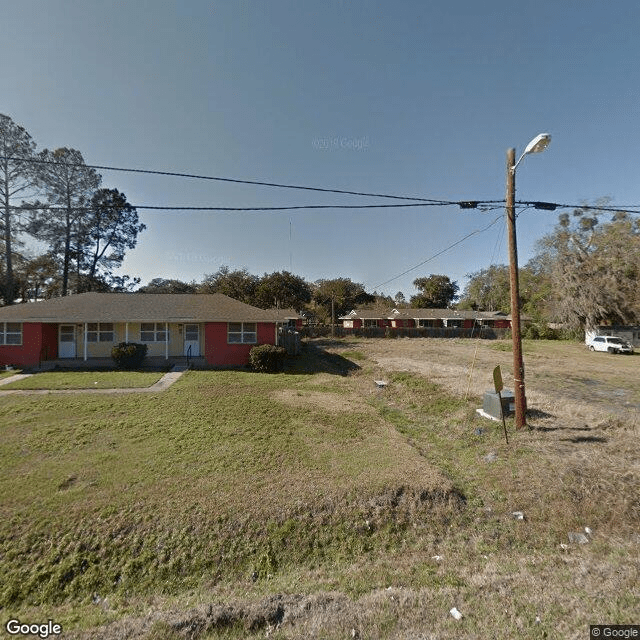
x: 309, y: 504
x: 7, y: 374
x: 86, y: 380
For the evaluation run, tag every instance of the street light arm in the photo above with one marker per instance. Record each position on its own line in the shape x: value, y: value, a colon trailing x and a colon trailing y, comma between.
x: 538, y: 144
x: 513, y: 169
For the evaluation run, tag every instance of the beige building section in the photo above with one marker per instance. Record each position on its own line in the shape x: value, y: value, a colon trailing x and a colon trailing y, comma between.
x: 130, y: 332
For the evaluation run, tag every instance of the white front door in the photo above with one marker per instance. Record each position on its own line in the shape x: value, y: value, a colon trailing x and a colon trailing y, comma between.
x: 192, y: 339
x: 67, y: 341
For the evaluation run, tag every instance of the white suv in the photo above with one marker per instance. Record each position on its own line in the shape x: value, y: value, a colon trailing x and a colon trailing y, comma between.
x: 612, y: 344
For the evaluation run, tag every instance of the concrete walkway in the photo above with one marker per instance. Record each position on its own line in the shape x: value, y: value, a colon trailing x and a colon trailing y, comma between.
x: 15, y: 378
x: 164, y: 383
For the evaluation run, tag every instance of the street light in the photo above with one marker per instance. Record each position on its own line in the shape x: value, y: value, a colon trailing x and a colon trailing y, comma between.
x: 538, y: 144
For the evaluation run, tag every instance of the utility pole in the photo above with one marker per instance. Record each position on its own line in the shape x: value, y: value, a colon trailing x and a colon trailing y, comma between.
x: 518, y: 364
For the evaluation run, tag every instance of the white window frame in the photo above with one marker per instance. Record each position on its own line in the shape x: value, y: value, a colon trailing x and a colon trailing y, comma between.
x: 159, y: 331
x: 370, y: 323
x: 242, y: 333
x: 100, y: 332
x: 5, y: 333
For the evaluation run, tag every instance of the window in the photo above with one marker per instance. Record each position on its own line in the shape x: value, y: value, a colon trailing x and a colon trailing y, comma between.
x: 10, y: 333
x: 370, y: 323
x: 100, y: 332
x: 428, y: 323
x: 152, y: 332
x: 242, y: 333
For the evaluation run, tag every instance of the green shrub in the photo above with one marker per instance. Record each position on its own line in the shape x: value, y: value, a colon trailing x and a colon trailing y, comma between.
x: 129, y: 355
x: 267, y: 358
x: 540, y: 331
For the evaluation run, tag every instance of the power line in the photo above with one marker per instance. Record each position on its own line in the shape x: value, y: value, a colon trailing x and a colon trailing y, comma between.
x: 435, y: 255
x: 463, y: 204
x: 284, y: 208
x: 552, y: 206
x: 484, y: 205
x: 220, y: 179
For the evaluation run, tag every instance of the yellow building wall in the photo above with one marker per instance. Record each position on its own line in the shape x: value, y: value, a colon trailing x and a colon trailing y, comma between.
x: 156, y: 349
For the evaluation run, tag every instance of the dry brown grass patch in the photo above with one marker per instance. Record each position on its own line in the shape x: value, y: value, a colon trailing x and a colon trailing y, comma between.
x: 327, y: 401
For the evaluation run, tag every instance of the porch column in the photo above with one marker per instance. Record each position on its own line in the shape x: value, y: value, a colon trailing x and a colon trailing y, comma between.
x: 166, y: 340
x: 85, y: 341
x: 126, y: 332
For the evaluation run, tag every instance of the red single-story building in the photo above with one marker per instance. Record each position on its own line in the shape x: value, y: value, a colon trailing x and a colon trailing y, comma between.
x: 359, y: 318
x: 88, y: 325
x: 425, y: 318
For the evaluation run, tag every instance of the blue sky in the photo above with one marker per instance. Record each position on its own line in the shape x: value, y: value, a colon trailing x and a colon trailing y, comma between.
x: 410, y: 98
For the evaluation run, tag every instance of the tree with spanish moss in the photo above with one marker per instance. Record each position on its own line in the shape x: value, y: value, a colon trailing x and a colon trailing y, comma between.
x: 594, y: 267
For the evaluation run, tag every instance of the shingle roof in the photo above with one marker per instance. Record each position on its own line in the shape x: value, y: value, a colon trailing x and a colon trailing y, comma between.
x: 418, y: 314
x: 368, y: 314
x: 137, y: 307
x: 286, y: 314
x: 450, y: 314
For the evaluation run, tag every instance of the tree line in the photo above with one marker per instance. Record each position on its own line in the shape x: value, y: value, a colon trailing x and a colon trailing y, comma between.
x: 324, y: 299
x: 51, y: 196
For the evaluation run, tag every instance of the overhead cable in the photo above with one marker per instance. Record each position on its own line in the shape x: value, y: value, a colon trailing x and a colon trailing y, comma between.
x: 439, y: 253
x: 284, y: 208
x: 231, y: 180
x: 463, y: 204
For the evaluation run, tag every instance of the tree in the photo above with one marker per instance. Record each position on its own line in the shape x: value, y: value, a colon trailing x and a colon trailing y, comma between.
x: 239, y: 284
x: 400, y: 300
x: 536, y: 288
x: 69, y: 186
x: 594, y: 268
x: 161, y: 285
x: 339, y: 296
x: 16, y: 179
x: 122, y: 284
x: 488, y: 290
x: 41, y: 277
x: 110, y: 228
x: 436, y: 292
x: 282, y: 290
x: 378, y: 302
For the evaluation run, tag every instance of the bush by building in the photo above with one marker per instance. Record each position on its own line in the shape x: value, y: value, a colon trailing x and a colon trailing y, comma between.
x: 267, y: 358
x: 129, y: 355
